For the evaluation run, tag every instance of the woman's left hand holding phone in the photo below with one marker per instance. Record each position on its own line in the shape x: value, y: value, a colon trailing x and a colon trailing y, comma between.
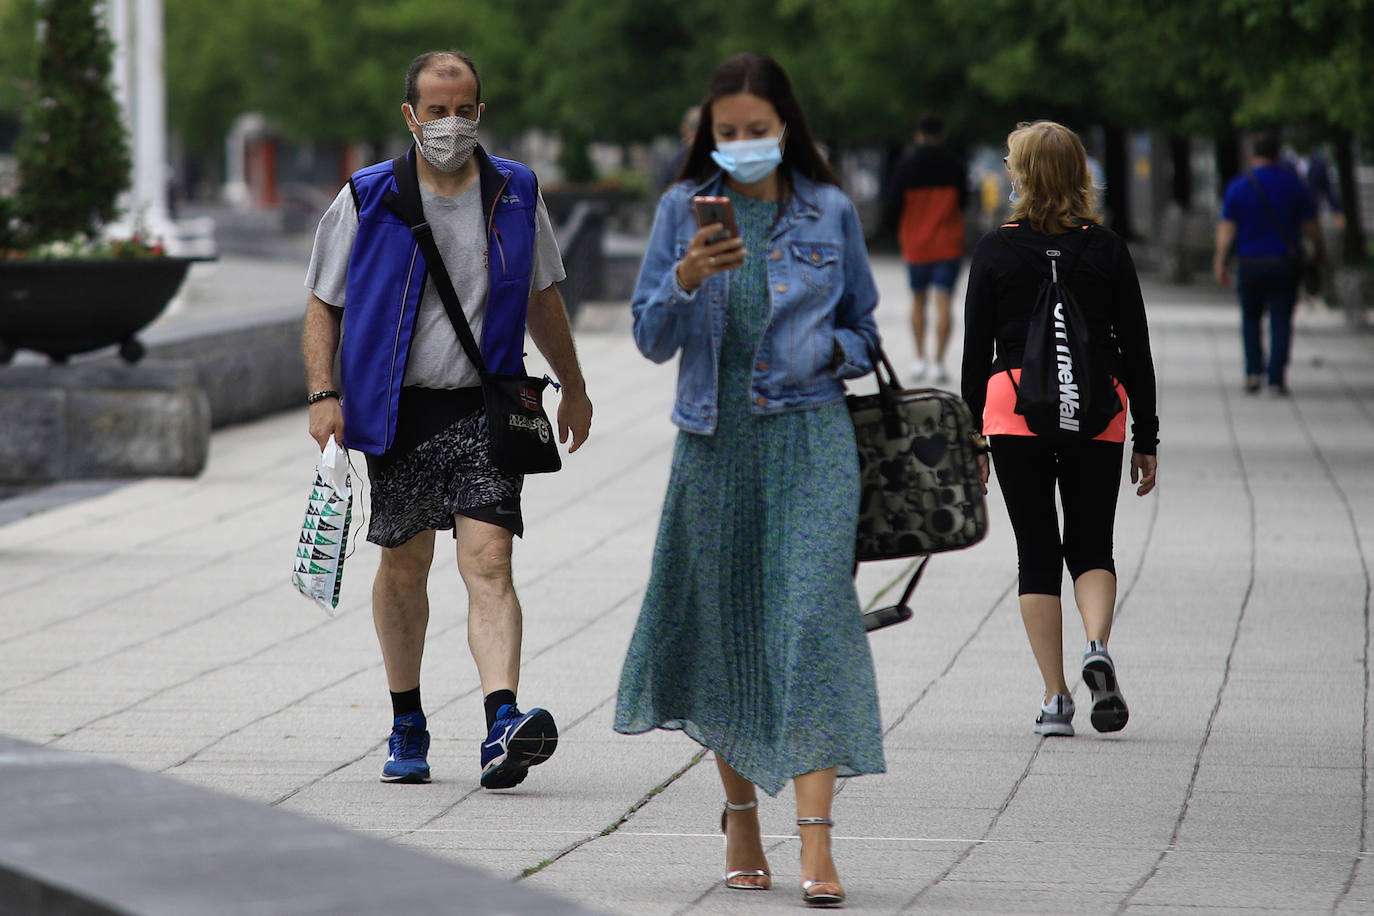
x: 705, y: 259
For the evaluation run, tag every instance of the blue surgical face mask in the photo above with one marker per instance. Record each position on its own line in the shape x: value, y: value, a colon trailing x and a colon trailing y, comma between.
x: 748, y: 161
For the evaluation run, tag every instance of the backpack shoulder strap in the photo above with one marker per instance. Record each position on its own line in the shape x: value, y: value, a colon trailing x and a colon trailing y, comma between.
x: 1006, y: 234
x: 1067, y: 259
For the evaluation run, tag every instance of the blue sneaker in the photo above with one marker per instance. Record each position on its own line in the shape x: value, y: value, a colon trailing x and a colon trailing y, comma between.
x: 518, y: 741
x: 409, y: 744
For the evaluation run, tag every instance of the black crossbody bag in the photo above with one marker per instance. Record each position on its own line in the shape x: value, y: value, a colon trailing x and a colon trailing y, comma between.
x: 522, y: 439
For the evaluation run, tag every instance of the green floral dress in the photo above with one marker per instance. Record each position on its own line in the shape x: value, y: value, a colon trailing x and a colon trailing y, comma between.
x: 750, y: 638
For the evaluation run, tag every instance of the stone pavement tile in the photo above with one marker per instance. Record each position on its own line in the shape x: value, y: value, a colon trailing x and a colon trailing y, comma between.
x: 1147, y: 747
x: 1227, y: 820
x: 1093, y: 810
x: 569, y: 793
x: 1238, y: 880
x: 1359, y: 897
x: 953, y: 824
x: 977, y: 897
x: 635, y: 874
x: 1268, y: 779
x: 933, y: 778
x: 1107, y: 867
x: 1290, y: 717
x: 1247, y: 747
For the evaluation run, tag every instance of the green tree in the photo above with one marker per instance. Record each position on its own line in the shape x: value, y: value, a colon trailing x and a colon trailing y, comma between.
x: 18, y: 55
x: 330, y: 70
x: 73, y: 156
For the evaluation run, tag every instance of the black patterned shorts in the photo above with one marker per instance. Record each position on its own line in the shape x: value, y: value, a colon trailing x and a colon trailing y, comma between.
x: 439, y: 465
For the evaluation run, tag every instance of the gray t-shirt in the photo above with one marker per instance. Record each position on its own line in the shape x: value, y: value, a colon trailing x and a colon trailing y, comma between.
x: 436, y: 358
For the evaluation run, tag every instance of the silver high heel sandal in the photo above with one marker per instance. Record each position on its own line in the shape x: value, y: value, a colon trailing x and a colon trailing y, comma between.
x: 730, y: 876
x: 820, y: 893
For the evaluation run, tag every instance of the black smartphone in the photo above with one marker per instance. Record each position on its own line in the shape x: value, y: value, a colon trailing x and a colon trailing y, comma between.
x: 716, y: 210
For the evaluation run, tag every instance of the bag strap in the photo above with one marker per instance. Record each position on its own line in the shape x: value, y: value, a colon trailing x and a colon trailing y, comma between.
x: 405, y: 203
x: 888, y: 389
x: 896, y: 613
x: 1273, y: 214
x: 1056, y: 276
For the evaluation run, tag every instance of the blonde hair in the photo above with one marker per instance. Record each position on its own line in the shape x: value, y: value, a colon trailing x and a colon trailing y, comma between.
x: 1050, y: 169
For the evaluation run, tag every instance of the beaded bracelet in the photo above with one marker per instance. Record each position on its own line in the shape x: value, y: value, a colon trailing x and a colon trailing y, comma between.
x: 321, y: 395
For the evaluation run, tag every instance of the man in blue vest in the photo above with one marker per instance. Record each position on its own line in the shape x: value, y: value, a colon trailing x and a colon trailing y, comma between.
x: 410, y: 398
x: 1264, y: 215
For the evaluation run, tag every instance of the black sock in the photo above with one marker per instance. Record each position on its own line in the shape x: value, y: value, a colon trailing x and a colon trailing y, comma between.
x: 407, y: 701
x: 494, y: 701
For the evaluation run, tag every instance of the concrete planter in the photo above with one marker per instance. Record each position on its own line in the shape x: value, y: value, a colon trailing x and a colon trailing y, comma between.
x: 66, y: 307
x: 92, y: 421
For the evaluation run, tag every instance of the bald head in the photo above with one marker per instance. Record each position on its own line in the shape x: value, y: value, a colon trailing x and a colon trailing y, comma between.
x: 443, y: 64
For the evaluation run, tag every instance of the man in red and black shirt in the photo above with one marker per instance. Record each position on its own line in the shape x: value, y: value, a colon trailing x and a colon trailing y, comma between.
x: 928, y: 189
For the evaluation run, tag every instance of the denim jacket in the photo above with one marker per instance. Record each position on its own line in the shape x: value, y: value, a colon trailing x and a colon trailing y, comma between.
x: 821, y: 289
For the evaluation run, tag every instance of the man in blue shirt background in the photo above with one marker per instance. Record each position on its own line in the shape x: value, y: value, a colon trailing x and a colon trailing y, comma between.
x: 1264, y: 214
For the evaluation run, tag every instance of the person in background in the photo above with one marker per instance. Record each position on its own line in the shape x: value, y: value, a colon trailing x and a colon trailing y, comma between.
x: 750, y: 638
x: 1264, y: 214
x: 926, y: 194
x: 1054, y: 214
x: 687, y: 131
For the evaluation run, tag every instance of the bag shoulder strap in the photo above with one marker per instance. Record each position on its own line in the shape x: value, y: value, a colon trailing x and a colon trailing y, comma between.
x: 1273, y: 214
x: 896, y: 613
x: 405, y: 203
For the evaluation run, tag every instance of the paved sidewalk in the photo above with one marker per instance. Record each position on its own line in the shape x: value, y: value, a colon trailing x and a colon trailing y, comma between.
x: 154, y: 624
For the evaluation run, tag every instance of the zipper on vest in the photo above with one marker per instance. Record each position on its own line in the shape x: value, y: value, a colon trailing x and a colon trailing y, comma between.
x: 491, y: 225
x: 400, y: 322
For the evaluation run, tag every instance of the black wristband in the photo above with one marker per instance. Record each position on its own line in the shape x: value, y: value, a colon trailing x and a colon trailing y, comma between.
x: 321, y: 395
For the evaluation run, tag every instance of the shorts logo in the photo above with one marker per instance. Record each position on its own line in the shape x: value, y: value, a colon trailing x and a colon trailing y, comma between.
x: 538, y: 425
x: 529, y: 398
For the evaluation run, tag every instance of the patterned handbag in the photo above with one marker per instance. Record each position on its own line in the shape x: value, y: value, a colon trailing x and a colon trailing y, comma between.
x: 919, y: 481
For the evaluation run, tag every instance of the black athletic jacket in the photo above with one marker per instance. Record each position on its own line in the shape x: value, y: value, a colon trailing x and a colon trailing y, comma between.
x: 1002, y: 290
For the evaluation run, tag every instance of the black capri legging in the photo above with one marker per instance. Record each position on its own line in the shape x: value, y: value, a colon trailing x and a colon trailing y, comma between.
x: 1089, y: 477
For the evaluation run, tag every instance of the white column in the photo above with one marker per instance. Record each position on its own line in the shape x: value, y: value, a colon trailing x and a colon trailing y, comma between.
x: 121, y: 77
x: 150, y: 120
x: 140, y: 88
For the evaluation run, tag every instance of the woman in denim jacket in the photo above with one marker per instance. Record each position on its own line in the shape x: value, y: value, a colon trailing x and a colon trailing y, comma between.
x: 750, y: 638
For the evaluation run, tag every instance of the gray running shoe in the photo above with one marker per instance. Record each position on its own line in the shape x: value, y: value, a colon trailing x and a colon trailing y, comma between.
x: 1056, y: 717
x: 1109, y: 706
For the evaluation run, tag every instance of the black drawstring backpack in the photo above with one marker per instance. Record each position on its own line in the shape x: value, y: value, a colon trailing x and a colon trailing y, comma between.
x: 1066, y: 392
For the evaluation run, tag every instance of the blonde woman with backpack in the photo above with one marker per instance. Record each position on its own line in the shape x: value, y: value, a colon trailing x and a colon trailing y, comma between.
x: 1054, y: 234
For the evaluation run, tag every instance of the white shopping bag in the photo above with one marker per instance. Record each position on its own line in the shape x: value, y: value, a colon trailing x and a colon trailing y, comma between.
x: 324, y: 533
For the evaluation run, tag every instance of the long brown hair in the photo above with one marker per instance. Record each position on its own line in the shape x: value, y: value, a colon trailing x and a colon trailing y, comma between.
x: 765, y: 78
x: 1049, y: 169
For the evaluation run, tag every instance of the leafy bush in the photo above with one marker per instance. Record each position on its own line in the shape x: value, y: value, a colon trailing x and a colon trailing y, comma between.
x: 72, y: 154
